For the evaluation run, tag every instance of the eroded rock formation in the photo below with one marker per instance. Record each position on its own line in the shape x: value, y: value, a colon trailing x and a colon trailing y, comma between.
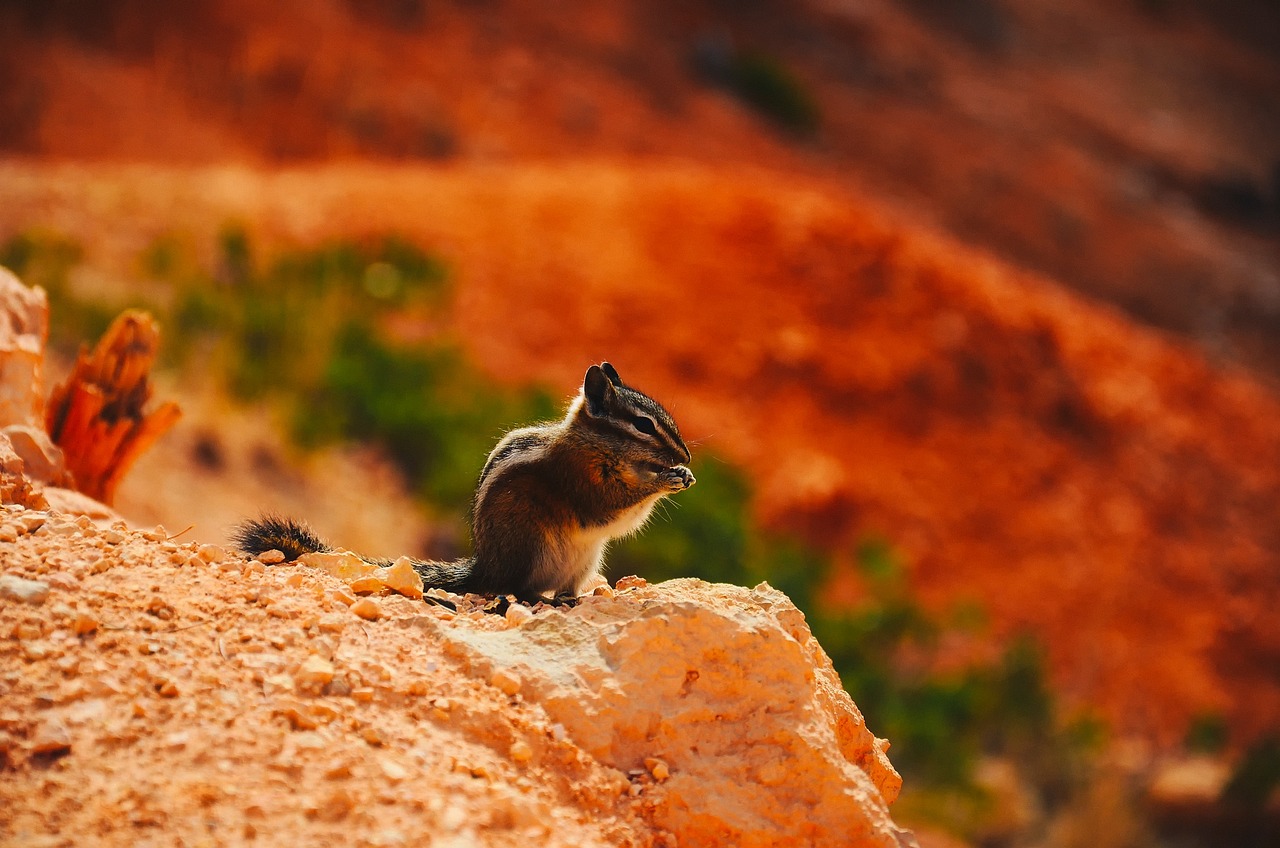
x: 155, y: 687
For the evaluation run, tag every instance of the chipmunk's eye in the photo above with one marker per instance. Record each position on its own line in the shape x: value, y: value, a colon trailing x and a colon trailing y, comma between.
x: 644, y: 424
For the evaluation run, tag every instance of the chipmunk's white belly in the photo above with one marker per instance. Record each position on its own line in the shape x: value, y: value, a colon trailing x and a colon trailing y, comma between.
x: 580, y: 554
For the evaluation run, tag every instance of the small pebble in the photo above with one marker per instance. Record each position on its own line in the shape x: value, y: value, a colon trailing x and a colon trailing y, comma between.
x: 158, y: 534
x: 403, y: 578
x: 394, y: 771
x: 314, y: 673
x: 506, y: 680
x: 657, y: 768
x: 211, y: 553
x: 50, y: 738
x: 338, y: 686
x: 20, y: 589
x: 271, y: 557
x: 521, y: 752
x: 333, y: 623
x: 366, y: 585
x: 518, y: 614
x: 32, y: 522
x: 36, y: 650
x: 367, y: 609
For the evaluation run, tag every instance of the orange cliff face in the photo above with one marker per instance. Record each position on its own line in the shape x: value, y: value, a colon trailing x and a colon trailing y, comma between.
x: 1127, y: 152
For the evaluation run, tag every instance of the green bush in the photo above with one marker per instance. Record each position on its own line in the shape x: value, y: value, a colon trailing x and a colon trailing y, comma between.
x: 769, y: 87
x: 47, y: 259
x: 1207, y: 734
x: 434, y: 414
x: 1257, y: 776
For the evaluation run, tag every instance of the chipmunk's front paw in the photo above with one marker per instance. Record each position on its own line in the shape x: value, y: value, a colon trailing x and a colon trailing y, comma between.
x: 678, y: 478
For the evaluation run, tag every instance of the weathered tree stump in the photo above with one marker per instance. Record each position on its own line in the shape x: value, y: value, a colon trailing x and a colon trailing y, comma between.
x: 97, y: 416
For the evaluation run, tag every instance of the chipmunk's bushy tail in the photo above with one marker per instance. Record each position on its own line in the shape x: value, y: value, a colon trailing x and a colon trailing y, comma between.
x: 271, y: 532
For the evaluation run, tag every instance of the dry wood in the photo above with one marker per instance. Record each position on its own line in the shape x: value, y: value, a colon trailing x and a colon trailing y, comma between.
x: 97, y: 417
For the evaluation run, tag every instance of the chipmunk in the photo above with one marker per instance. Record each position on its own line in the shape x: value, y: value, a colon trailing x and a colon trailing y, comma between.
x: 550, y: 498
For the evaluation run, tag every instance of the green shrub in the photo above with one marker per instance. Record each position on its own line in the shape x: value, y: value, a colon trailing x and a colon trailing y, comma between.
x: 769, y: 87
x: 47, y: 259
x: 1257, y: 776
x: 1207, y: 734
x: 434, y: 414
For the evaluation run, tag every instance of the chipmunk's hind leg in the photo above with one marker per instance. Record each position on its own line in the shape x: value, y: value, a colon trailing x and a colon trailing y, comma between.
x: 271, y: 532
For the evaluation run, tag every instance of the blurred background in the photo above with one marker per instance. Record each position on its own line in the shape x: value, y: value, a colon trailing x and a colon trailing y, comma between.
x: 971, y: 306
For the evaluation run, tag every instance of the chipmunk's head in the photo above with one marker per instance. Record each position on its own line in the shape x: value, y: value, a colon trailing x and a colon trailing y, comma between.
x: 633, y: 422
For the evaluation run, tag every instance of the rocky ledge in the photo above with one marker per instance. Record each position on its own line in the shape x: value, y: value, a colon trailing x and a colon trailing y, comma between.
x: 152, y: 690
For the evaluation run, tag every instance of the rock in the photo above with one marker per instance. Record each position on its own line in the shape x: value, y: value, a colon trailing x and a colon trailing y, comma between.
x: 32, y: 521
x: 42, y: 459
x: 367, y: 609
x: 660, y: 770
x: 314, y: 673
x: 15, y: 487
x: 20, y: 589
x: 341, y: 564
x: 24, y: 327
x: 1190, y: 783
x: 720, y: 688
x: 401, y: 577
x: 717, y: 696
x: 518, y: 614
x: 210, y: 553
x: 367, y: 585
x: 507, y: 681
x: 50, y: 737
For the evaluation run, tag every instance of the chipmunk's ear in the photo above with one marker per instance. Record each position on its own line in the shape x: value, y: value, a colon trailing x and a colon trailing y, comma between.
x: 612, y: 374
x: 598, y: 391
